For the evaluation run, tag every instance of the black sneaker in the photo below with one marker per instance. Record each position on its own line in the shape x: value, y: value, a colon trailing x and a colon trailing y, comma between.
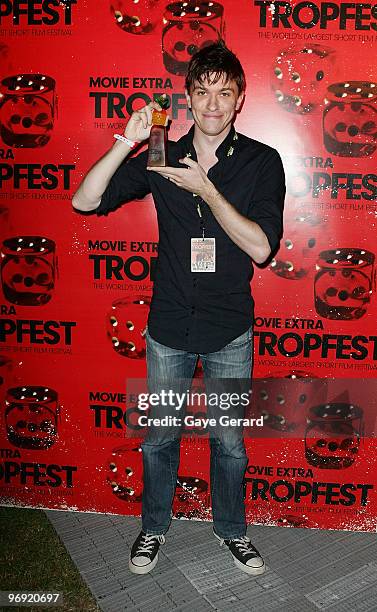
x: 244, y: 554
x: 144, y: 553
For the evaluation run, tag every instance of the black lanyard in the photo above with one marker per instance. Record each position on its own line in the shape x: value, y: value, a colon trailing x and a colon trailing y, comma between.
x: 195, y: 195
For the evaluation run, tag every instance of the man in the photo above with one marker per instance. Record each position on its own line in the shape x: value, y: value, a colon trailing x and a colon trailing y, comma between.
x: 219, y: 202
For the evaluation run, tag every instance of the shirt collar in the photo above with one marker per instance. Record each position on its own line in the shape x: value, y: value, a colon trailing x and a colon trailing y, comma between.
x: 224, y: 150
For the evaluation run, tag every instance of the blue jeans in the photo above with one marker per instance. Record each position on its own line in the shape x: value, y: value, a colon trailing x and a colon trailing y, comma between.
x: 161, y: 447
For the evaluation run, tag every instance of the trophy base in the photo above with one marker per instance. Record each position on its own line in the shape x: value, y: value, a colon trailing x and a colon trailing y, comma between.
x: 157, y: 147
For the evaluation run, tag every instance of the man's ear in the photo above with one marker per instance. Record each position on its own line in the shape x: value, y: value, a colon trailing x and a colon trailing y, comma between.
x: 240, y: 100
x: 188, y: 99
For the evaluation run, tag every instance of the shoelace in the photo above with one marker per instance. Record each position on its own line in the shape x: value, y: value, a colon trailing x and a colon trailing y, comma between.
x: 244, y: 545
x: 147, y: 545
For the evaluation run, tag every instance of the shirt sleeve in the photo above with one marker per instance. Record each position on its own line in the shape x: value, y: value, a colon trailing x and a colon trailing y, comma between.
x: 266, y: 207
x: 129, y: 182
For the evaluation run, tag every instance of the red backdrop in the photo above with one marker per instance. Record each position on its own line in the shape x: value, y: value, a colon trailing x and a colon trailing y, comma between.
x: 76, y: 288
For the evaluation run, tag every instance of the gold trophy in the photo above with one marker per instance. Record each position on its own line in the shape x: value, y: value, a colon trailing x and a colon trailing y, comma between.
x: 157, y: 138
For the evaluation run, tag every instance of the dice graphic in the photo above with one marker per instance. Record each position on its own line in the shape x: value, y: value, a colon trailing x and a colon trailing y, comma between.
x: 188, y: 27
x: 31, y: 417
x: 344, y: 282
x: 296, y: 255
x: 284, y: 402
x: 332, y: 437
x: 350, y: 119
x: 27, y: 110
x: 300, y: 77
x: 136, y: 16
x: 29, y: 267
x: 126, y: 325
x: 125, y: 471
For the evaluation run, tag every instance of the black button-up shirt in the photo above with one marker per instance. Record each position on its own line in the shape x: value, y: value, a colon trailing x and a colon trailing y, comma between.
x: 202, y: 312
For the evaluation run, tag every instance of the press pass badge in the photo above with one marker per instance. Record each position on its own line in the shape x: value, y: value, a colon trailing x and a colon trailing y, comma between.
x: 203, y: 255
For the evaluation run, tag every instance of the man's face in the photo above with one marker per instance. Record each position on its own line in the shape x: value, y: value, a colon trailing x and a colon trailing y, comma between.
x: 213, y: 105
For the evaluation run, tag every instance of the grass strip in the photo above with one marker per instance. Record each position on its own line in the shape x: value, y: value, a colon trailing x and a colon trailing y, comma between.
x: 33, y: 558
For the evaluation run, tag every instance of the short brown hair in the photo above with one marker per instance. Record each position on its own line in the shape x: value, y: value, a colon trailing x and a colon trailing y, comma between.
x: 218, y: 60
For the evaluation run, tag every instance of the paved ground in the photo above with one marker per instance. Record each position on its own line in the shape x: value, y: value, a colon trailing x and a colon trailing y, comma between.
x: 307, y: 570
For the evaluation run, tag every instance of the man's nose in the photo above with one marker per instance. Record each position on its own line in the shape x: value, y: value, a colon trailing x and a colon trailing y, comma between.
x: 212, y: 102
